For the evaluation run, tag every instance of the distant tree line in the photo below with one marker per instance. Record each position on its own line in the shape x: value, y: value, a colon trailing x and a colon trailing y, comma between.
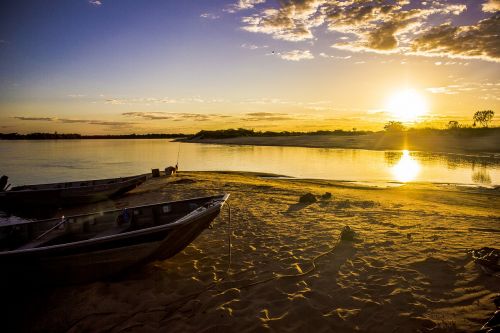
x: 480, y: 117
x: 73, y: 136
x: 242, y: 132
x: 457, y: 131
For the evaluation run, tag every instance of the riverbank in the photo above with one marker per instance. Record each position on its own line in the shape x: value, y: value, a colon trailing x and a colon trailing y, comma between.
x: 408, y: 269
x: 421, y: 141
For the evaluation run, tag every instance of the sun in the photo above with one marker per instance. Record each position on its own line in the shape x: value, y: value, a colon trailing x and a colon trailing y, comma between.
x: 407, y: 105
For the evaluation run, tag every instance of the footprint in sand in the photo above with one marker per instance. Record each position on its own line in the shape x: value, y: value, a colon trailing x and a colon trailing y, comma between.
x: 268, y: 318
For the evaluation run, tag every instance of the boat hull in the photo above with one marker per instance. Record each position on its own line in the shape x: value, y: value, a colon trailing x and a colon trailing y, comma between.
x: 105, y: 257
x: 67, y: 196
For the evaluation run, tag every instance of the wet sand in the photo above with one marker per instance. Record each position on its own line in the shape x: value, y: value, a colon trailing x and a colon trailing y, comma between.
x: 429, y: 142
x: 407, y: 271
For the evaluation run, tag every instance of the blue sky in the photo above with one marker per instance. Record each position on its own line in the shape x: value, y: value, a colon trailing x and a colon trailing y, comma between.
x: 169, y: 66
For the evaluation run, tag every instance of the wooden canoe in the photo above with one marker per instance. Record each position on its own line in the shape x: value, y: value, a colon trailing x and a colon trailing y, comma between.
x: 89, y: 247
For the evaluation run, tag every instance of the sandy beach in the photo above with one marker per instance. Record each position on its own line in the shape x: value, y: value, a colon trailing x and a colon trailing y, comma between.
x: 429, y: 142
x: 407, y: 270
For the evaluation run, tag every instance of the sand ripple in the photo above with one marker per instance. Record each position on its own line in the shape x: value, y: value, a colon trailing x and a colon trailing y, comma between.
x: 408, y: 271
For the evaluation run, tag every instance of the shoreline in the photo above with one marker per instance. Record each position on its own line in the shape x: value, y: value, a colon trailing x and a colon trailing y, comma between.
x: 408, y: 270
x: 485, y: 146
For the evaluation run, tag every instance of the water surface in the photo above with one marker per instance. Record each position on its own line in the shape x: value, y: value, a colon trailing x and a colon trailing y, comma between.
x: 29, y: 162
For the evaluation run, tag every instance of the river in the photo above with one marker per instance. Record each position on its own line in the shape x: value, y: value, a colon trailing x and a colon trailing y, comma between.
x: 31, y: 162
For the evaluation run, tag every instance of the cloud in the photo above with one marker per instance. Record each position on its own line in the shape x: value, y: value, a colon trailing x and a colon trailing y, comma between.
x: 111, y: 123
x: 319, y: 105
x: 296, y: 55
x: 36, y: 118
x: 293, y: 21
x: 72, y: 121
x: 480, y: 41
x: 491, y: 6
x: 95, y: 2
x: 253, y: 46
x: 147, y: 101
x: 115, y: 101
x: 174, y: 116
x: 148, y: 115
x: 271, y: 116
x: 316, y: 106
x: 324, y: 55
x: 483, y: 89
x: 209, y: 16
x: 265, y: 101
x: 383, y: 26
x: 261, y: 116
x: 441, y: 90
x: 165, y: 100
x: 492, y: 97
x: 450, y: 63
x: 96, y: 122
x: 242, y: 5
x: 264, y: 114
x: 75, y: 121
x: 181, y: 116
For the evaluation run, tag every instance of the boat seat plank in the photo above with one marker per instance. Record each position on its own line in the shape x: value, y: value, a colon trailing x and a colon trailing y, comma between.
x: 40, y: 242
x: 113, y: 231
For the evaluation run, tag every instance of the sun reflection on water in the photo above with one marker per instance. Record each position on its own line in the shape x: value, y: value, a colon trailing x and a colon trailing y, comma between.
x: 406, y: 169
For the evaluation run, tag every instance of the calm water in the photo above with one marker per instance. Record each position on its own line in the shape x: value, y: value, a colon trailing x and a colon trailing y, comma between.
x: 28, y: 162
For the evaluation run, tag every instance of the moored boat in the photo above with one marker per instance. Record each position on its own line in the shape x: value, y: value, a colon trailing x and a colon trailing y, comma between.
x: 89, y: 247
x: 68, y: 193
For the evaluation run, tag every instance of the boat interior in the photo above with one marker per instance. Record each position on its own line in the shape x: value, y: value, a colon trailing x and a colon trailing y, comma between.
x: 97, y: 225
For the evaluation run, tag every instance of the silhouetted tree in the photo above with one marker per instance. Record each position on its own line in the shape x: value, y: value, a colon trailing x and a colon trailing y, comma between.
x: 394, y: 126
x: 453, y: 124
x: 483, y: 117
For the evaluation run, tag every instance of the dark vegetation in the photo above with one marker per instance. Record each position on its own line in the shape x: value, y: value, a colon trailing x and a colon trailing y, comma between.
x: 461, y: 131
x: 242, y: 132
x: 483, y: 117
x: 454, y: 127
x: 455, y: 131
x: 72, y: 136
x: 393, y: 127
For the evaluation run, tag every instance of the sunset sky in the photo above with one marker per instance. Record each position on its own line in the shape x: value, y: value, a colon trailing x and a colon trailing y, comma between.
x: 120, y: 66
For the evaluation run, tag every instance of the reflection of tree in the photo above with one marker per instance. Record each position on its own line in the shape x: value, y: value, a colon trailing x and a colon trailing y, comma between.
x: 454, y: 161
x: 481, y: 176
x: 392, y: 157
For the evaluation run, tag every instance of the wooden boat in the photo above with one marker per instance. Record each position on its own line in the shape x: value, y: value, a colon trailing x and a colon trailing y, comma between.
x: 69, y: 193
x: 88, y: 247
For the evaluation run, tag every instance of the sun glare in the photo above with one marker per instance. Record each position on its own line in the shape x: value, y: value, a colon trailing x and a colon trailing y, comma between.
x: 407, y: 105
x: 406, y: 169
